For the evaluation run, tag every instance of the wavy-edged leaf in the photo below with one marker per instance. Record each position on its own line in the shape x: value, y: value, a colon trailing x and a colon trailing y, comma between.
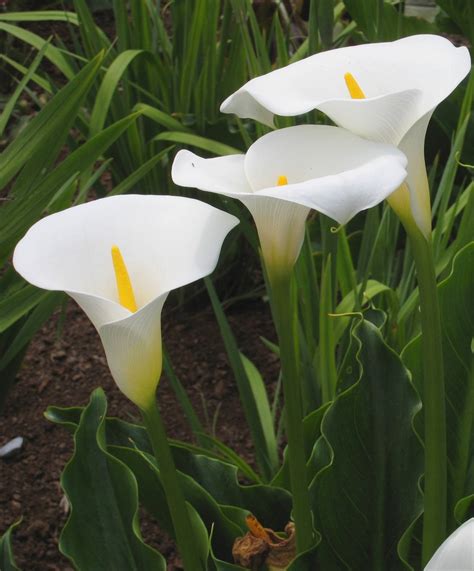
x: 210, y: 485
x: 365, y: 493
x: 348, y: 305
x: 456, y: 294
x: 270, y: 504
x: 102, y: 532
x: 153, y: 497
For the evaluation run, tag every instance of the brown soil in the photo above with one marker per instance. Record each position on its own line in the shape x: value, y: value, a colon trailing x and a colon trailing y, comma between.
x: 63, y: 369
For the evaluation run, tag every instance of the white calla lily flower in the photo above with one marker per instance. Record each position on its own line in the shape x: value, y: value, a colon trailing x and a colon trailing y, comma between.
x: 384, y: 92
x: 287, y: 172
x: 119, y: 257
x: 457, y: 552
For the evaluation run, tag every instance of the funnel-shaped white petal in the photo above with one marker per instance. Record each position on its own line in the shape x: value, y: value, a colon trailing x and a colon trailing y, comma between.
x: 457, y: 552
x: 403, y: 81
x: 429, y: 64
x: 166, y: 242
x: 326, y: 168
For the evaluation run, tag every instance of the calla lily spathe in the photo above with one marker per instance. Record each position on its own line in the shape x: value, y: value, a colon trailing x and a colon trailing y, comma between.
x: 401, y: 82
x: 287, y: 172
x: 457, y: 552
x: 166, y: 242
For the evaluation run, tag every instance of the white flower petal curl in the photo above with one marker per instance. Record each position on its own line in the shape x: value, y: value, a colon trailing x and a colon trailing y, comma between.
x: 427, y: 63
x: 327, y: 168
x: 166, y: 242
x: 457, y: 552
x: 222, y: 175
x: 403, y: 82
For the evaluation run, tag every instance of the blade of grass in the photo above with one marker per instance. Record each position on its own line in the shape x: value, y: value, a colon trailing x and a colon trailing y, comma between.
x: 58, y: 114
x: 265, y: 455
x: 10, y: 105
x: 55, y: 56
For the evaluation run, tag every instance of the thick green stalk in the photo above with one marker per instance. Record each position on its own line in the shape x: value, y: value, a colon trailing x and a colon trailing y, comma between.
x: 434, y: 398
x: 174, y: 495
x: 285, y: 306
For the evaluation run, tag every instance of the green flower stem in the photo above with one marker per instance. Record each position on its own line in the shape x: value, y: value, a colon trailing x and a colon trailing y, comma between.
x: 174, y: 495
x: 285, y: 309
x: 434, y: 400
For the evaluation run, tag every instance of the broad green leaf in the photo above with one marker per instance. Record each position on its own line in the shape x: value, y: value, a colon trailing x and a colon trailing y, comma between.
x: 102, y: 532
x: 228, y: 455
x: 348, y: 305
x: 312, y: 432
x: 456, y: 293
x: 209, y: 484
x: 7, y: 561
x: 379, y: 20
x: 152, y: 496
x: 365, y: 493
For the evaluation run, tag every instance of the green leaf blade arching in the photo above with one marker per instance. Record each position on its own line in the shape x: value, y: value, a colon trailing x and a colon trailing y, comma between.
x: 7, y: 561
x: 365, y: 494
x: 455, y: 296
x: 209, y: 484
x: 102, y: 531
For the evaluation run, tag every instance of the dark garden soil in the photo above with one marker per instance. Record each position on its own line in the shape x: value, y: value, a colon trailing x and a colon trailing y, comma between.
x: 64, y: 369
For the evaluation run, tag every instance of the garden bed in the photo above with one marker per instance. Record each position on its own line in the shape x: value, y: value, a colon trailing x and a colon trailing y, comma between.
x: 63, y: 369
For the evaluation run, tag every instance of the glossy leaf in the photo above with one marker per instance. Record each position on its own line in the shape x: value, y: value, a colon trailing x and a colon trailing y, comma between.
x: 365, y: 492
x: 103, y: 492
x: 209, y: 484
x: 456, y: 293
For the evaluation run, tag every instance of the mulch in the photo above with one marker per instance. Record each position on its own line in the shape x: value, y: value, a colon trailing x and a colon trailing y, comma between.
x: 64, y: 364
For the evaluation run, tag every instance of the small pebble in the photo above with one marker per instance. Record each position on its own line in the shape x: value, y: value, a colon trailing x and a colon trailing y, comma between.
x: 11, y: 448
